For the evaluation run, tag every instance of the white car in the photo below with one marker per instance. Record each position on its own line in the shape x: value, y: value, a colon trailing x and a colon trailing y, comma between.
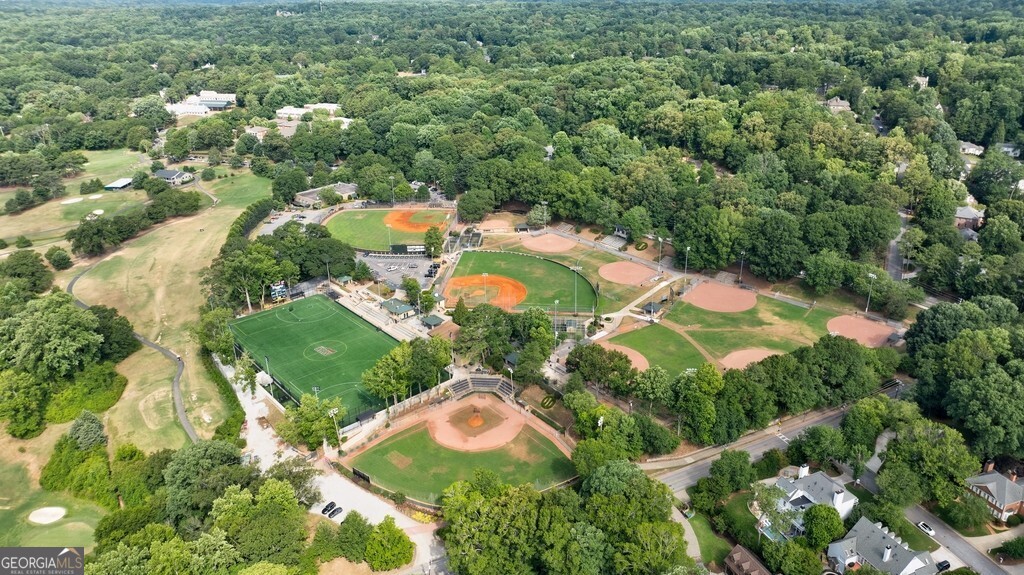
x: 926, y: 528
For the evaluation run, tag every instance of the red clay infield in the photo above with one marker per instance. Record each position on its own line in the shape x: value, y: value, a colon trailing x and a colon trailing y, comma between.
x: 639, y: 361
x: 491, y: 225
x: 743, y: 357
x: 718, y: 297
x: 402, y: 221
x: 445, y: 432
x: 548, y: 243
x: 862, y: 329
x: 501, y: 291
x: 626, y: 273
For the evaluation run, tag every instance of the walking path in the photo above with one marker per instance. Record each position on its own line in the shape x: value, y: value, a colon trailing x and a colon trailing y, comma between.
x: 692, y: 544
x: 179, y: 403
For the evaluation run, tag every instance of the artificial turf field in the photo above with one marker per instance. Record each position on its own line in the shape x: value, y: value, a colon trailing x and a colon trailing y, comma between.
x: 316, y: 342
x: 412, y: 463
x: 545, y: 281
x: 365, y: 229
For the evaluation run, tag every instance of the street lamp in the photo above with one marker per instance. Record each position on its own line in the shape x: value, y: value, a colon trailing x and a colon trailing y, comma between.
x: 742, y: 254
x: 511, y: 378
x: 333, y: 412
x: 661, y: 250
x: 576, y: 268
x: 392, y: 178
x: 870, y: 286
x: 686, y: 261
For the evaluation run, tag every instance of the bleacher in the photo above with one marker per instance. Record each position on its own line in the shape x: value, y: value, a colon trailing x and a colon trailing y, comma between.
x: 483, y: 384
x: 460, y: 388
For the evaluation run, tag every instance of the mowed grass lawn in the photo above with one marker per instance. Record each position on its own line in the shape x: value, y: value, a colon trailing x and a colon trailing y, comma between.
x: 365, y: 229
x: 545, y: 281
x: 21, y: 496
x: 316, y: 342
x: 713, y: 549
x: 771, y: 324
x: 412, y: 463
x: 662, y: 346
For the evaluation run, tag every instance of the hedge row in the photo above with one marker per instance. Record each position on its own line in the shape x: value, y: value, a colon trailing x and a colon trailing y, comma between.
x: 247, y: 221
x: 230, y: 429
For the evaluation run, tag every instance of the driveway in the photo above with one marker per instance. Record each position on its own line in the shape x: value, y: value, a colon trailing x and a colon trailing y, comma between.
x: 953, y: 544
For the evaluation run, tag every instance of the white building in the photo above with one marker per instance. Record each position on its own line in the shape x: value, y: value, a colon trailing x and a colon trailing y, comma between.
x: 873, y: 544
x: 813, y: 489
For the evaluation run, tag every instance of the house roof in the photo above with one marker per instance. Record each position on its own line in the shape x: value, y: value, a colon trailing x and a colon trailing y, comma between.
x: 867, y: 541
x: 397, y: 307
x: 969, y: 213
x: 999, y: 486
x: 168, y: 174
x: 742, y: 562
x: 651, y: 307
x: 814, y: 488
x: 432, y: 321
x: 512, y: 358
x: 969, y: 234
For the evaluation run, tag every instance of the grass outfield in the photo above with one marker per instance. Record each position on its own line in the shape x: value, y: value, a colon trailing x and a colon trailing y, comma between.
x: 545, y: 281
x: 316, y: 342
x: 22, y: 497
x: 662, y: 346
x: 365, y: 229
x: 412, y: 463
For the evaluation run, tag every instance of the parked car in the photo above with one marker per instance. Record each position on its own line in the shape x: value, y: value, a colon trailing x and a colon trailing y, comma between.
x: 942, y: 566
x: 926, y: 528
x: 414, y: 265
x: 335, y: 513
x: 328, y: 508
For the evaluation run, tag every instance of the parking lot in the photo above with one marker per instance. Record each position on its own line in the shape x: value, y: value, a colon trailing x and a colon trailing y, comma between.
x: 278, y: 219
x: 392, y: 268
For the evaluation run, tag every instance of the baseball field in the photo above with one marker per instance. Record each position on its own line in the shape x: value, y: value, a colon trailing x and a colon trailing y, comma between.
x: 316, y: 342
x: 514, y: 281
x: 369, y: 229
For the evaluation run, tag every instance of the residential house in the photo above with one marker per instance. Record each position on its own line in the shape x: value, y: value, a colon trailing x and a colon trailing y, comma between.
x: 1012, y: 150
x: 398, y: 309
x: 173, y: 177
x: 287, y: 127
x: 969, y: 235
x: 837, y: 105
x: 258, y: 131
x: 971, y: 149
x: 873, y: 544
x: 920, y: 81
x: 1004, y: 494
x: 811, y: 489
x: 968, y: 217
x: 740, y: 561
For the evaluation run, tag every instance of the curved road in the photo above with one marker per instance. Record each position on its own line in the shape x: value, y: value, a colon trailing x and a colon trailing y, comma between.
x: 179, y: 403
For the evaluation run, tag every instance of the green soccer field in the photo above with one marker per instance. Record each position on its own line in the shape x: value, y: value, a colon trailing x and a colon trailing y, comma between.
x: 412, y: 463
x: 545, y: 281
x: 316, y: 342
x: 367, y: 230
x: 662, y: 346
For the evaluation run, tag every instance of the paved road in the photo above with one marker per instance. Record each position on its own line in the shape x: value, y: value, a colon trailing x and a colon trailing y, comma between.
x: 894, y: 259
x: 179, y: 403
x: 947, y: 537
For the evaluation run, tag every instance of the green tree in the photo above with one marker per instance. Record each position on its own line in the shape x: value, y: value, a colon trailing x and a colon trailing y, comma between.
x: 27, y: 265
x: 58, y: 258
x: 775, y: 247
x: 310, y: 422
x: 388, y: 547
x: 353, y: 534
x: 460, y: 313
x: 267, y: 527
x: 655, y: 385
x: 87, y: 431
x: 118, y: 336
x: 192, y: 468
x: 22, y: 404
x: 968, y: 512
x: 433, y: 240
x: 822, y: 525
x: 50, y: 337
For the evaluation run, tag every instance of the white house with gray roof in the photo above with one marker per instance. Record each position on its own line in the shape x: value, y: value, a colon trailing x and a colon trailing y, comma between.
x: 875, y: 545
x: 812, y: 489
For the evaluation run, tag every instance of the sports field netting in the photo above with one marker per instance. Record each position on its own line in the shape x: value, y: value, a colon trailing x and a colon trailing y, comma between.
x: 316, y: 342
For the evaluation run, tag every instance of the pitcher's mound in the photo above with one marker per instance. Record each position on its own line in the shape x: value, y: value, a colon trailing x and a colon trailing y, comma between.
x: 723, y: 298
x: 548, y: 243
x: 626, y: 273
x: 639, y: 361
x: 743, y: 357
x: 47, y: 515
x: 862, y: 329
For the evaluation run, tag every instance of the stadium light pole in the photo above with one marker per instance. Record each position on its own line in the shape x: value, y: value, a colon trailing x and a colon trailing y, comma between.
x: 743, y: 253
x: 392, y: 178
x: 686, y: 262
x: 333, y: 412
x: 870, y: 287
x: 388, y: 226
x: 575, y: 268
x: 661, y: 250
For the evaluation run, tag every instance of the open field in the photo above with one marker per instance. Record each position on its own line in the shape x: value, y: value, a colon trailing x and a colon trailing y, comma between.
x: 613, y: 296
x: 413, y: 463
x: 713, y: 548
x: 154, y: 281
x: 367, y: 229
x: 316, y: 342
x: 22, y: 496
x: 545, y: 281
x: 662, y: 346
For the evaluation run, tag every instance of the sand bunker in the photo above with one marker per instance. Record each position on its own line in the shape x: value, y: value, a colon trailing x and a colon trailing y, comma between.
x: 743, y: 357
x: 72, y: 201
x: 548, y: 243
x: 491, y: 225
x: 47, y: 515
x: 639, y: 361
x: 95, y: 196
x: 626, y: 273
x: 718, y: 297
x: 98, y: 212
x: 865, y: 331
